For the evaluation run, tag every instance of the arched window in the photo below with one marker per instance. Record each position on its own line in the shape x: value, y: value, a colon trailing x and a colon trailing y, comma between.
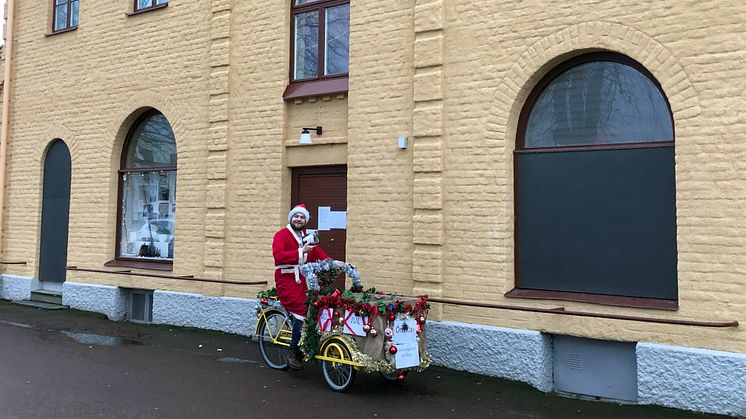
x: 148, y: 191
x: 595, y: 183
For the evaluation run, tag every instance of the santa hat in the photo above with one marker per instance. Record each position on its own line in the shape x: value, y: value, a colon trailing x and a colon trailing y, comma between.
x: 299, y: 209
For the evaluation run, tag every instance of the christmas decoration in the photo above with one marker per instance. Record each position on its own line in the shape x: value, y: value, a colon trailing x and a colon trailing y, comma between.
x: 321, y: 274
x: 355, y: 316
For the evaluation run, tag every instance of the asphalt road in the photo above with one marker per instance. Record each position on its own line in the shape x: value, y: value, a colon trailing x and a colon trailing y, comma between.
x: 71, y: 364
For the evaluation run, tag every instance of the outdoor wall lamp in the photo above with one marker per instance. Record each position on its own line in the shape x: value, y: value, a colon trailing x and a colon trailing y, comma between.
x: 305, y: 136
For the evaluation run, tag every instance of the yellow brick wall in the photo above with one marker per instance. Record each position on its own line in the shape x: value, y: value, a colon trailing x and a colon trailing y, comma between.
x: 451, y: 75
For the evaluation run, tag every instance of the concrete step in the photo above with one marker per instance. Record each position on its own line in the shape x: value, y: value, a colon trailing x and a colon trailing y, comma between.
x: 46, y: 296
x: 40, y: 304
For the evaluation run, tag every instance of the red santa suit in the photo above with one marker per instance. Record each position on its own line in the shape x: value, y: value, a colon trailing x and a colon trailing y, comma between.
x: 287, y: 249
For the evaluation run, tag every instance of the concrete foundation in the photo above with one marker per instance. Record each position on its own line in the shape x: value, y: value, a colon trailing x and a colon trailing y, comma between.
x: 16, y: 288
x: 226, y: 314
x: 104, y: 299
x: 693, y: 379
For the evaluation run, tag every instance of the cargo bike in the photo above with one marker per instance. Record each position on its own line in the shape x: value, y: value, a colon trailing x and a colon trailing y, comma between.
x: 347, y: 331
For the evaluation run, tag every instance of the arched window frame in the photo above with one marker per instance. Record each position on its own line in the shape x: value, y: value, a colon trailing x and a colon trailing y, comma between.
x: 165, y: 264
x: 555, y: 72
x: 521, y: 149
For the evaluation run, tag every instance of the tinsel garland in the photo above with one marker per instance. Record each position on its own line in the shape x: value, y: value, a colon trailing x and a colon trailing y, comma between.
x: 321, y: 274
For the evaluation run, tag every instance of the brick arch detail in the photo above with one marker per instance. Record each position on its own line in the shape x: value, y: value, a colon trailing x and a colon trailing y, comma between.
x: 55, y: 130
x: 579, y: 39
x: 131, y: 108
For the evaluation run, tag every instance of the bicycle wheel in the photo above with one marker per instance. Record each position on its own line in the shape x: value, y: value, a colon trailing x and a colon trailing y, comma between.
x: 338, y: 376
x: 272, y: 334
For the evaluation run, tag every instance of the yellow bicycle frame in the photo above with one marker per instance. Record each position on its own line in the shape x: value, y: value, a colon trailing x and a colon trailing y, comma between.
x: 283, y: 336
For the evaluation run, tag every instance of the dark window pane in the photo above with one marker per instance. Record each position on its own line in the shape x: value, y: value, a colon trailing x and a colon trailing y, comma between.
x: 152, y: 144
x: 138, y: 307
x: 143, y: 4
x: 60, y: 17
x: 337, y: 42
x: 601, y: 102
x: 306, y: 45
x: 74, y: 6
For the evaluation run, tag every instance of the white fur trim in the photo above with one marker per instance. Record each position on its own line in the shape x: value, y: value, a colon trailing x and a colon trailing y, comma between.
x: 300, y: 210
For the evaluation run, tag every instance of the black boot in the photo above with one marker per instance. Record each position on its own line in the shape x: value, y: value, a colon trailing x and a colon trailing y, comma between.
x: 294, y: 360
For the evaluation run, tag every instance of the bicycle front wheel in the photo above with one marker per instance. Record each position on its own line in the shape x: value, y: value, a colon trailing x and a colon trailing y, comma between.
x: 274, y: 339
x: 338, y: 375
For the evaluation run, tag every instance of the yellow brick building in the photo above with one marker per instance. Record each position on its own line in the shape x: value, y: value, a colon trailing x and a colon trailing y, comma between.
x: 427, y: 126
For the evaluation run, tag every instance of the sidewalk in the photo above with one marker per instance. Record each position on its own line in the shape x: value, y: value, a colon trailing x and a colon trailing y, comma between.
x: 68, y: 363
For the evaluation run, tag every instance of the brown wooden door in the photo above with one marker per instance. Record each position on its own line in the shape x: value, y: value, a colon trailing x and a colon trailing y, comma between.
x: 324, y: 186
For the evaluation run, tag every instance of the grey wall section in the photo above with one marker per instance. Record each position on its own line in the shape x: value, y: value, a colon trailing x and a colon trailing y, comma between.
x: 519, y: 355
x: 693, y: 379
x: 16, y: 288
x: 227, y: 314
x: 104, y: 299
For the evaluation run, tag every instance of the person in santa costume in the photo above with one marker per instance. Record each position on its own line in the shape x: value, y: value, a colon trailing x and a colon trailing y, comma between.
x: 290, y: 253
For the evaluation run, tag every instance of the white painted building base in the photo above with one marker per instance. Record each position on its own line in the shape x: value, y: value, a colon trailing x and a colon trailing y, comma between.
x: 692, y: 379
x: 17, y: 288
x: 519, y: 355
x: 104, y: 299
x: 226, y: 314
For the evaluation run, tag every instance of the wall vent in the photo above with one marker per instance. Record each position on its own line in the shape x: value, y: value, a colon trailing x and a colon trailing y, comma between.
x: 595, y: 368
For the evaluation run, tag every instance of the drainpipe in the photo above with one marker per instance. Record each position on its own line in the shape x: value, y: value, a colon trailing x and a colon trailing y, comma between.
x: 8, y: 51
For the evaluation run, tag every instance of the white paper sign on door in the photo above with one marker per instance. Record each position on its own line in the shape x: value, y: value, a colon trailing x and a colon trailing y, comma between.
x: 329, y: 219
x: 405, y: 340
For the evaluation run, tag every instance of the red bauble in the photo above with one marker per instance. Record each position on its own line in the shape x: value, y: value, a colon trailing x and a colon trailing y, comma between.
x: 264, y: 301
x: 392, y: 317
x: 401, y: 377
x: 316, y: 304
x: 392, y: 349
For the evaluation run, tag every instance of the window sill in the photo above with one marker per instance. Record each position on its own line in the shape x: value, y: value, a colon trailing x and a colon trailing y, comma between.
x: 607, y: 300
x: 140, y: 264
x: 302, y: 89
x: 149, y: 9
x: 74, y: 28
